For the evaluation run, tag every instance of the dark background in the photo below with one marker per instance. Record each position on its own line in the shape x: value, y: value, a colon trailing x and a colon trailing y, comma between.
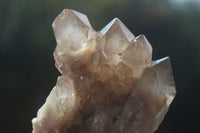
x: 27, y: 72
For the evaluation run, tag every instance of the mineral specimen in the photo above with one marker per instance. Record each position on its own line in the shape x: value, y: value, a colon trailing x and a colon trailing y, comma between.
x: 109, y: 83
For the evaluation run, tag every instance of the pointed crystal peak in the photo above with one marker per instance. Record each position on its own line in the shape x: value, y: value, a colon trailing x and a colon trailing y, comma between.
x: 71, y: 14
x: 107, y: 27
x: 139, y: 52
x: 142, y: 40
x: 70, y: 22
x: 116, y: 24
x: 164, y: 74
x: 150, y: 99
x: 72, y: 31
x: 82, y: 17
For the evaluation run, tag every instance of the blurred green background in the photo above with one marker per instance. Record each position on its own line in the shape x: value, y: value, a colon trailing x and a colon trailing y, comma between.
x: 27, y: 72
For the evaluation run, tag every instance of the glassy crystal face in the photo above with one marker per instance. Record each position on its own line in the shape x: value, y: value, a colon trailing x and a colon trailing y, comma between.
x: 109, y: 83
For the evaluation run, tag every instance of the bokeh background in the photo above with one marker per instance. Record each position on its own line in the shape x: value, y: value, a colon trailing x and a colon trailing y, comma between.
x: 27, y: 71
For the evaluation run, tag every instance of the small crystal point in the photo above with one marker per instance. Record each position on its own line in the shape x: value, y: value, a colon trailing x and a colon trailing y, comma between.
x: 59, y: 108
x: 139, y: 52
x: 109, y: 83
x: 149, y: 100
x: 117, y: 22
x: 68, y: 23
x: 138, y: 55
x: 117, y: 38
x: 72, y: 31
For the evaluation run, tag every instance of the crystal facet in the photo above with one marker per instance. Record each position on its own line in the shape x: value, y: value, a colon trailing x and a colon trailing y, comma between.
x: 109, y: 83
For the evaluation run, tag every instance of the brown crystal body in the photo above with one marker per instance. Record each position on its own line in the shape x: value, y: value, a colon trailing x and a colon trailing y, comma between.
x: 109, y: 82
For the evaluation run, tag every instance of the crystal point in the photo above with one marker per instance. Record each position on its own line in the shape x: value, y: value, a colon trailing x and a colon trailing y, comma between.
x: 116, y: 23
x: 116, y: 37
x: 109, y: 83
x: 138, y: 55
x: 68, y: 23
x: 148, y: 103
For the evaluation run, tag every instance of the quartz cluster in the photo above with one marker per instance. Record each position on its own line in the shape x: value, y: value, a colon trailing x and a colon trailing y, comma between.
x: 109, y: 83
